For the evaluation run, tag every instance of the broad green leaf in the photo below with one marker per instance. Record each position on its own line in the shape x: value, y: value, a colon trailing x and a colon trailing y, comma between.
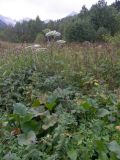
x: 72, y: 154
x: 26, y: 118
x: 103, y: 112
x: 13, y: 117
x: 86, y: 105
x: 50, y: 105
x: 10, y: 156
x: 20, y: 109
x: 27, y: 139
x: 49, y: 121
x: 30, y: 126
x: 103, y: 155
x: 36, y: 111
x: 36, y: 103
x: 100, y: 145
x: 115, y: 148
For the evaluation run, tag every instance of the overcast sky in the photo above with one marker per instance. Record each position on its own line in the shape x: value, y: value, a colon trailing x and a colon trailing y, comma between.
x: 46, y: 9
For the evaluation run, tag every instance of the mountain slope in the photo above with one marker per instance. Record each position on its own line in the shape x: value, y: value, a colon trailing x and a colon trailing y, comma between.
x: 2, y: 24
x: 7, y: 21
x: 72, y: 14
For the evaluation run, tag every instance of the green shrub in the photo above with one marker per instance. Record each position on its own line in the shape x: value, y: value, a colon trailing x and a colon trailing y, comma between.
x: 80, y: 31
x: 40, y: 38
x: 114, y: 40
x: 101, y: 32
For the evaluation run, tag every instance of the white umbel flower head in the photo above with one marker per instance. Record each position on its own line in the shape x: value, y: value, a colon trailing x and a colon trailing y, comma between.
x: 60, y: 42
x: 53, y: 33
x: 36, y: 46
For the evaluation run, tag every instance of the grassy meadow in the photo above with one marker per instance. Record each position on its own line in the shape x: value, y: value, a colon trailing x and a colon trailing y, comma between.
x: 62, y: 103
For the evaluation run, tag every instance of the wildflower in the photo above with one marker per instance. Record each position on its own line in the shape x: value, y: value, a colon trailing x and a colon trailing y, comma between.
x: 118, y: 128
x: 96, y: 83
x: 60, y: 42
x: 36, y: 46
x: 53, y: 33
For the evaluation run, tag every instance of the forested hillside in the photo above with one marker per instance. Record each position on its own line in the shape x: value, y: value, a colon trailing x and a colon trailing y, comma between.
x: 89, y: 25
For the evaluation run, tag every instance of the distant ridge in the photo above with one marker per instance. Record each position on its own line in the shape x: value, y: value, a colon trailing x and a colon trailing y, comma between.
x: 73, y: 13
x: 25, y: 19
x: 2, y: 24
x: 7, y: 21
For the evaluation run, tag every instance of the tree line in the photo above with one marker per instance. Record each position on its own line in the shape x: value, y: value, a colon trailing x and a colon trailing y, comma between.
x: 88, y: 25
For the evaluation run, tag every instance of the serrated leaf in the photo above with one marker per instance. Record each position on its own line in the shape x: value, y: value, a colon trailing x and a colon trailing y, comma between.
x: 103, y: 155
x: 30, y: 126
x: 115, y: 148
x: 27, y: 118
x: 10, y: 156
x: 36, y: 103
x: 72, y: 154
x: 103, y: 112
x: 49, y: 121
x: 86, y: 105
x: 20, y: 109
x: 27, y: 139
x: 50, y: 105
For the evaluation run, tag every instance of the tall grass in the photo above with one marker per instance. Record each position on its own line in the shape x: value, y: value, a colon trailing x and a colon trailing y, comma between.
x: 100, y: 61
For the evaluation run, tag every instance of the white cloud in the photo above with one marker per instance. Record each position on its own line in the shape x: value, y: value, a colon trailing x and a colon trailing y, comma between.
x: 46, y: 9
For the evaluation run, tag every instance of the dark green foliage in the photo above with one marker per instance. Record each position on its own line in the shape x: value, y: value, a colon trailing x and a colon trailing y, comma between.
x: 80, y: 31
x: 27, y: 31
x: 2, y: 24
x: 76, y: 121
x: 101, y: 32
x: 80, y: 27
x: 40, y: 38
x: 24, y: 31
x: 116, y: 4
x: 104, y: 16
